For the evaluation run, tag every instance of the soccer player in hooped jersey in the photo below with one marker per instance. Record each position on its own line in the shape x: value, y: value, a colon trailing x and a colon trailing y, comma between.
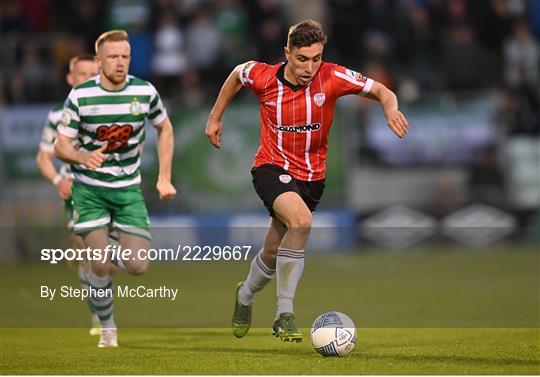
x: 81, y: 68
x: 297, y: 103
x: 106, y: 114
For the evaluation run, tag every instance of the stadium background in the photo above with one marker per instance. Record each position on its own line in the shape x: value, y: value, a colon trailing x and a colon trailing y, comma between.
x: 438, y: 230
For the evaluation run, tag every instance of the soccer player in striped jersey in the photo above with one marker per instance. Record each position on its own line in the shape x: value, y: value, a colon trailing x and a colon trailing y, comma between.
x: 81, y: 68
x: 107, y: 115
x: 297, y: 100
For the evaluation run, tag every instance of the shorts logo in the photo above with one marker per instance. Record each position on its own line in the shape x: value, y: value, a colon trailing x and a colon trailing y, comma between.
x: 285, y: 178
x: 117, y: 136
x: 319, y: 99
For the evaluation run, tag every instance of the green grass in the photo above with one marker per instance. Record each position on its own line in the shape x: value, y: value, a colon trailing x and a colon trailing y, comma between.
x: 216, y: 351
x: 424, y: 312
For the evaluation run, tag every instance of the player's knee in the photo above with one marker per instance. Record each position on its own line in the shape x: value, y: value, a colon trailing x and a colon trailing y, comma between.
x: 101, y: 269
x: 139, y: 268
x: 76, y: 241
x: 300, y: 221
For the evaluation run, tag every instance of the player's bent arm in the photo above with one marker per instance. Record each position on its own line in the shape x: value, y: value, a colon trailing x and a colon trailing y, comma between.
x: 65, y: 151
x: 230, y: 88
x: 165, y: 149
x: 388, y: 100
x: 44, y: 161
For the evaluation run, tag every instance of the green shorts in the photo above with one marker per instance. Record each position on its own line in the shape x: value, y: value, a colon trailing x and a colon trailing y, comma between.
x: 98, y: 207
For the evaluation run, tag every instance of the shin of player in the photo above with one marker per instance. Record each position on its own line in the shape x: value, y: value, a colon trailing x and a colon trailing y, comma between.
x: 297, y: 100
x: 107, y: 114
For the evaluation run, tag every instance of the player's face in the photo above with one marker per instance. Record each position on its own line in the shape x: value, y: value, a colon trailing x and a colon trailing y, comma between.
x: 113, y: 59
x: 82, y: 71
x: 303, y: 62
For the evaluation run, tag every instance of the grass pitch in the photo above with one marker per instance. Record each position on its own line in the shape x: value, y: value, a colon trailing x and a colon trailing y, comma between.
x: 425, y: 312
x: 216, y: 351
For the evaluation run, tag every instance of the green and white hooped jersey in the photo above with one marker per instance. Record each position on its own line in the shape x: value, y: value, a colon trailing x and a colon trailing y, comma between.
x: 48, y: 136
x: 97, y: 116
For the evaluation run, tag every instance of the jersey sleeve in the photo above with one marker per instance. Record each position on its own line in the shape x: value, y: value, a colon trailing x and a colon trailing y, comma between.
x: 157, y: 112
x: 251, y: 75
x: 70, y: 121
x: 48, y: 135
x: 347, y: 81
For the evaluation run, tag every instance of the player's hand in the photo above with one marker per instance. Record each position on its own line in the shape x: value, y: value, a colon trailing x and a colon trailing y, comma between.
x: 397, y: 123
x: 213, y: 132
x: 64, y: 188
x: 165, y: 189
x: 95, y: 159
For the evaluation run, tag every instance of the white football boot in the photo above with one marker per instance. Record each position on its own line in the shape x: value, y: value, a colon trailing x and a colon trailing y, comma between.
x: 108, y: 338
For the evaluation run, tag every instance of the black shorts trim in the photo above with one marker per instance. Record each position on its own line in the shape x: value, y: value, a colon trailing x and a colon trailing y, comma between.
x: 270, y: 181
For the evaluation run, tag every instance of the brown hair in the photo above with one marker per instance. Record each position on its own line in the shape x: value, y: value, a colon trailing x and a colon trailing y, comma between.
x: 305, y: 33
x: 78, y: 58
x: 111, y: 36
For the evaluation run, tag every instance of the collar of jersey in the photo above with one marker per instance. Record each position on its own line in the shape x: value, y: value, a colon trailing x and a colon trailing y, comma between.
x: 98, y: 80
x: 280, y: 74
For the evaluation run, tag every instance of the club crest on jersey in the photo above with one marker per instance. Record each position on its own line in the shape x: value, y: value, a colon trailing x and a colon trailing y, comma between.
x: 135, y: 108
x: 319, y: 99
x: 285, y: 178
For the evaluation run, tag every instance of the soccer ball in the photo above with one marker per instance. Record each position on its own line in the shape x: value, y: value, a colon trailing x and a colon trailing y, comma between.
x: 333, y: 334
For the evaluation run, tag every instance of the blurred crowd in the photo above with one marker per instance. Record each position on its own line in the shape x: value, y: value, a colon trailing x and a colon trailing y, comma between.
x: 188, y: 47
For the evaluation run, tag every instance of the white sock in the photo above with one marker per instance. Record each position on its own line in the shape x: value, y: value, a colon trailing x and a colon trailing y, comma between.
x: 259, y: 275
x: 103, y: 306
x: 289, y: 268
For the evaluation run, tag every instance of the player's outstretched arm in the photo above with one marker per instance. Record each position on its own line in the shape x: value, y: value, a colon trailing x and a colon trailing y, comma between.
x: 44, y: 161
x: 229, y: 89
x: 165, y: 149
x: 394, y: 118
x: 65, y: 151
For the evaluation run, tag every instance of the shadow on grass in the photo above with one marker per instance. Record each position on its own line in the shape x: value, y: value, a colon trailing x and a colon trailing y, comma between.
x: 215, y: 350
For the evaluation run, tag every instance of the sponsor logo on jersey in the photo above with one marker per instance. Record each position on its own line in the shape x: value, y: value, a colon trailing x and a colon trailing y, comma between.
x: 135, y: 108
x: 66, y: 118
x: 303, y: 128
x: 319, y: 99
x: 48, y: 135
x: 245, y: 72
x: 270, y: 103
x: 285, y: 178
x: 117, y: 136
x: 354, y: 75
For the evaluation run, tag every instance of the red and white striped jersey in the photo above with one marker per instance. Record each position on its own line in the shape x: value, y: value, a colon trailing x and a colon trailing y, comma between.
x: 296, y: 121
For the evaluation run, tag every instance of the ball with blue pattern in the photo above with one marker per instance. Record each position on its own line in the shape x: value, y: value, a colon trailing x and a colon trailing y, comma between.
x: 333, y: 334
